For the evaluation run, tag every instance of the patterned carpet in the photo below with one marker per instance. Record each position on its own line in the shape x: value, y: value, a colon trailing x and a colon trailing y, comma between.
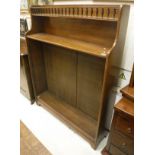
x: 29, y: 144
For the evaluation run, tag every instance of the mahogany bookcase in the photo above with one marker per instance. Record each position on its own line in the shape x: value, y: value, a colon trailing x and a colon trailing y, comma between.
x: 70, y: 49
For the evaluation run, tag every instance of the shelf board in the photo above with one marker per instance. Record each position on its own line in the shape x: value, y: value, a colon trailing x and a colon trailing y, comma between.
x: 73, y: 44
x: 126, y: 106
x: 128, y: 92
x: 72, y: 116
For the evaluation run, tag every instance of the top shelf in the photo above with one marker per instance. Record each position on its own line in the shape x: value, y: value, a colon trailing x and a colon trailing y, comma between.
x: 73, y: 44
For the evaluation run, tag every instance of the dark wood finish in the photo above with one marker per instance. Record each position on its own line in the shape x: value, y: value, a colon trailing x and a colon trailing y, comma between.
x: 26, y: 87
x: 97, y: 12
x: 73, y: 116
x: 125, y: 144
x: 90, y: 73
x: 122, y: 130
x: 60, y: 66
x: 115, y: 151
x: 125, y: 125
x: 25, y: 77
x: 72, y: 44
x: 70, y: 49
x: 121, y: 138
x: 131, y: 84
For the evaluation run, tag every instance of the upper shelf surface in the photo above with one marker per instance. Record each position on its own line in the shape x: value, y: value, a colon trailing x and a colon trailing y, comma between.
x: 73, y: 44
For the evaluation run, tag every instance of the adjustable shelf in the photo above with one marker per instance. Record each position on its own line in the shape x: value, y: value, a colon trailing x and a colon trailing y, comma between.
x: 73, y: 44
x: 70, y: 49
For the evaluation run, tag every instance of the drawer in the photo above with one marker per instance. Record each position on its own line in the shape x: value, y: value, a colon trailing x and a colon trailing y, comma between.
x: 124, y: 125
x: 115, y: 151
x: 124, y: 143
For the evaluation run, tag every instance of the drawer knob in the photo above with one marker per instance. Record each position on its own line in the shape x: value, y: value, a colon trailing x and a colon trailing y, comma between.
x: 123, y: 144
x: 129, y: 130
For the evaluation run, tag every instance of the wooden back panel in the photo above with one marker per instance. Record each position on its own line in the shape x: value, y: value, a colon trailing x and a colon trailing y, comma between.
x: 74, y: 77
x: 60, y: 65
x: 98, y: 32
x: 91, y: 23
x: 90, y: 71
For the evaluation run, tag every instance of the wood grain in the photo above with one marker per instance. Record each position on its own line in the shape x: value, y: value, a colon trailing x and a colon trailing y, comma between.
x: 26, y: 87
x: 77, y: 45
x: 69, y: 48
x: 115, y: 151
x: 90, y: 72
x: 37, y: 67
x: 60, y: 66
x: 125, y: 125
x: 124, y: 144
x: 73, y: 116
x: 121, y: 138
x: 125, y: 106
x: 128, y: 92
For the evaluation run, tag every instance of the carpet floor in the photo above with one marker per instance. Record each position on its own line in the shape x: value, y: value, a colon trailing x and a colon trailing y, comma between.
x: 29, y: 144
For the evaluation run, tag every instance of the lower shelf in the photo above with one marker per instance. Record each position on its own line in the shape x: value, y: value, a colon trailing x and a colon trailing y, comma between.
x: 75, y: 118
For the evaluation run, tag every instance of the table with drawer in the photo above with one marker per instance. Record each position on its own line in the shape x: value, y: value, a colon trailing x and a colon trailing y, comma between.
x: 121, y: 138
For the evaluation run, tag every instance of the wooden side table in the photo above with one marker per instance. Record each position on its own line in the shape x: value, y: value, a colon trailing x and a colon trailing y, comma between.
x: 121, y: 138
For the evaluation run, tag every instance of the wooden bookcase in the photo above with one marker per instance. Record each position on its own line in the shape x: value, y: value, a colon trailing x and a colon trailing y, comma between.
x: 70, y: 49
x: 25, y: 77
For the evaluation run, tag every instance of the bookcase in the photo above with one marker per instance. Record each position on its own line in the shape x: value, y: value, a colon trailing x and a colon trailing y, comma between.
x: 25, y: 77
x: 70, y: 49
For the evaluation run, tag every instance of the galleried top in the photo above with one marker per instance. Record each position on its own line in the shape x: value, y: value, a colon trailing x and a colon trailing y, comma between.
x: 100, y: 12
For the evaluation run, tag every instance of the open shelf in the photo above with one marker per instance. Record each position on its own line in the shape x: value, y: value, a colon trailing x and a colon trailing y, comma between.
x: 68, y: 113
x: 71, y: 57
x: 73, y: 44
x: 126, y: 106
